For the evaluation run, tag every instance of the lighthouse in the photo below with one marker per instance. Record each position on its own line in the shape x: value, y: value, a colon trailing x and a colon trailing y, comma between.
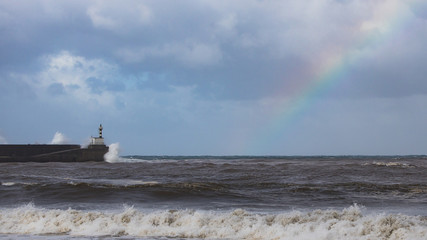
x: 98, y: 140
x: 100, y: 130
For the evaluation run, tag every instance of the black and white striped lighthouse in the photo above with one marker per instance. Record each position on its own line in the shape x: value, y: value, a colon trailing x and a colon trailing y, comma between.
x: 98, y: 140
x: 100, y: 130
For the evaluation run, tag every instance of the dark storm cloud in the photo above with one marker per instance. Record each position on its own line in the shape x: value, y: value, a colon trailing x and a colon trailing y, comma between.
x: 30, y: 29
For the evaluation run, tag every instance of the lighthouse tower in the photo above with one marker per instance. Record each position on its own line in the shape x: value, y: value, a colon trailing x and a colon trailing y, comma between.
x: 98, y: 140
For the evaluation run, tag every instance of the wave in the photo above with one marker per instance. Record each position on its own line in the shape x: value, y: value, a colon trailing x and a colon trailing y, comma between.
x: 113, y: 153
x: 8, y: 184
x: 251, y: 189
x: 213, y: 185
x: 235, y: 163
x: 93, y: 188
x: 390, y: 164
x: 112, y: 183
x: 349, y: 223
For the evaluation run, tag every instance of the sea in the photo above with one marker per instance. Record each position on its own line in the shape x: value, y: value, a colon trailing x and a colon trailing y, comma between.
x: 217, y: 197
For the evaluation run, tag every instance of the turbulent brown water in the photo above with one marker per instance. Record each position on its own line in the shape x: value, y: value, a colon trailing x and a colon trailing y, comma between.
x: 350, y: 197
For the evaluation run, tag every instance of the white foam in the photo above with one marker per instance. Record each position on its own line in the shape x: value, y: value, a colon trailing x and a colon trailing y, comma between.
x: 129, y: 182
x: 129, y: 160
x: 349, y: 223
x: 112, y: 155
x: 117, y: 182
x: 59, y: 138
x: 390, y: 164
x: 8, y: 183
x: 139, y: 160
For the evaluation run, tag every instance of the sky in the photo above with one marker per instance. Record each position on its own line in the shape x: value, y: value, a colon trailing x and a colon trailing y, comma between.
x: 204, y: 77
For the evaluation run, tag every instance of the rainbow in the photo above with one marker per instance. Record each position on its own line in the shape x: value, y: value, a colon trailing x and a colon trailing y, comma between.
x: 391, y: 19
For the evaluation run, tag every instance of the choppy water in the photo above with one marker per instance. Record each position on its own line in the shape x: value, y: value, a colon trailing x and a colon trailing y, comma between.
x: 216, y: 198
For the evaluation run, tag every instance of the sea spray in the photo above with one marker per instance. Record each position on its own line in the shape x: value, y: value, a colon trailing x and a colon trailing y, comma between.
x: 349, y: 223
x: 112, y: 155
x: 59, y: 138
x: 2, y: 140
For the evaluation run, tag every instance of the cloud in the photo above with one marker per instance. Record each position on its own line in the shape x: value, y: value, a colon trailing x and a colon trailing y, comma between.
x: 15, y: 85
x: 419, y: 8
x: 244, y: 48
x: 56, y: 89
x: 76, y: 77
x: 189, y: 54
x: 119, y: 16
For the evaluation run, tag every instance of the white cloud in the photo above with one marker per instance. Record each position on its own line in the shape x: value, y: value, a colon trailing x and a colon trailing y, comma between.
x: 384, y: 16
x: 69, y: 76
x: 100, y: 21
x: 144, y: 13
x: 227, y: 23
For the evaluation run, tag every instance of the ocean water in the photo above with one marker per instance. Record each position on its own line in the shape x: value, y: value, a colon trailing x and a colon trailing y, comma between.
x: 239, y: 197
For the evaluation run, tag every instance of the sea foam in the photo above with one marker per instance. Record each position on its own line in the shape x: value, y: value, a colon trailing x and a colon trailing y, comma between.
x: 349, y: 223
x: 390, y: 164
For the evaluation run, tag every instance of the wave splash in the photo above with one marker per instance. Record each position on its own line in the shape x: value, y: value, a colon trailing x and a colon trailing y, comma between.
x: 59, y: 138
x: 112, y: 156
x: 348, y: 223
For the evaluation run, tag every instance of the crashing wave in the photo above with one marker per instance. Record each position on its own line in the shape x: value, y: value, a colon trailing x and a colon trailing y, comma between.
x: 349, y: 223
